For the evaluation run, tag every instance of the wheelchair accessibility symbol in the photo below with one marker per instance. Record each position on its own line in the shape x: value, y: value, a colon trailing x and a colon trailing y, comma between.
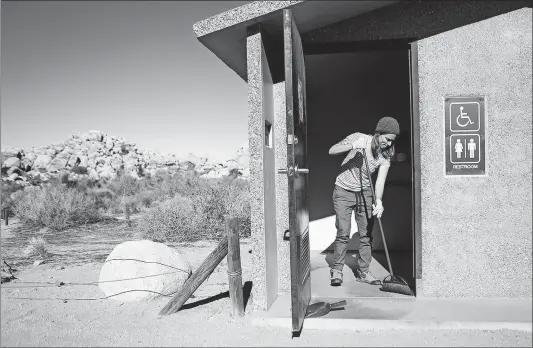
x: 464, y: 117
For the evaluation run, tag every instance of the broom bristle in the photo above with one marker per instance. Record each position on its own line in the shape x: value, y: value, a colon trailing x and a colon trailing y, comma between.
x: 396, y: 287
x: 338, y: 304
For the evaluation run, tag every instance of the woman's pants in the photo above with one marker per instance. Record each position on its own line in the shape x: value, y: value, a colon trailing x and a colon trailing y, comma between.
x: 345, y: 202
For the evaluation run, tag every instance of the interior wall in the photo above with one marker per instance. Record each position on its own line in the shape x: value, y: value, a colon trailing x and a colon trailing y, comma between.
x: 347, y: 93
x: 269, y: 182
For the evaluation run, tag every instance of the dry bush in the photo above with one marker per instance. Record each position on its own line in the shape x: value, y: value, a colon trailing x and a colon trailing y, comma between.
x: 37, y: 246
x: 225, y: 199
x: 124, y: 185
x: 7, y: 190
x: 147, y: 198
x: 171, y: 220
x: 103, y: 197
x: 79, y: 170
x: 55, y: 206
x: 129, y: 195
x: 198, y: 210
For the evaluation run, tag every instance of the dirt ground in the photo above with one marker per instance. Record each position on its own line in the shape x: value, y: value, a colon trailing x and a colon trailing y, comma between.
x: 48, y: 315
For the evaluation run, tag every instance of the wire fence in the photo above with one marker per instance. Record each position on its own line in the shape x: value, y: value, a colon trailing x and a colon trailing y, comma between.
x: 61, y: 284
x: 86, y: 299
x: 75, y: 256
x: 57, y: 284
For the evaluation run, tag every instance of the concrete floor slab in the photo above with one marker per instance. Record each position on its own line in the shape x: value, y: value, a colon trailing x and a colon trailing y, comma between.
x: 320, y: 278
x: 369, y: 308
x: 408, y: 313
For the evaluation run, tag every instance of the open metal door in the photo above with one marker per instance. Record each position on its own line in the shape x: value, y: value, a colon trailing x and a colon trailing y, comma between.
x: 297, y: 172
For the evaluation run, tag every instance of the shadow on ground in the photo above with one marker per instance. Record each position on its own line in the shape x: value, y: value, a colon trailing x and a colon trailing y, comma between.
x: 246, y: 292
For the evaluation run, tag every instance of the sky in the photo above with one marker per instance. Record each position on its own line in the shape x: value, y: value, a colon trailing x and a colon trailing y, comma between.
x: 133, y: 69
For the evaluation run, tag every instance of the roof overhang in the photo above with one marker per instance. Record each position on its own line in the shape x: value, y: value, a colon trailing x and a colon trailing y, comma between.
x: 225, y: 34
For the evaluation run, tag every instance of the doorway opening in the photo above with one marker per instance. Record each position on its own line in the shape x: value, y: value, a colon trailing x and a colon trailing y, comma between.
x: 348, y: 92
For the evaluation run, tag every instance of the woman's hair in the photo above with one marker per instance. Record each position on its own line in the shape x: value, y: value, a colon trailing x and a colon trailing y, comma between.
x: 387, y: 153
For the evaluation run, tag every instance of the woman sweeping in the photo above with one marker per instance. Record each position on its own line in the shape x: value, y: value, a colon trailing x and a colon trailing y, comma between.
x: 352, y: 193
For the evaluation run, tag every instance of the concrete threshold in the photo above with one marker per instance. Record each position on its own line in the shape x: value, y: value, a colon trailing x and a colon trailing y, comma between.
x: 372, y: 314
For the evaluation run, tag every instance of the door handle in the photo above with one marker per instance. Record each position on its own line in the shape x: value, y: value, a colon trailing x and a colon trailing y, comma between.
x: 302, y: 170
x: 293, y: 171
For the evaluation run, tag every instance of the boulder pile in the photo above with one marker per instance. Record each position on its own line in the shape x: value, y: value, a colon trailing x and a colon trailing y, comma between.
x: 97, y: 155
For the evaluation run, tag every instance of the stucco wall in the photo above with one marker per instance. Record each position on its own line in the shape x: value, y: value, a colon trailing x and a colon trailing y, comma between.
x: 282, y: 188
x: 262, y: 189
x: 476, y: 232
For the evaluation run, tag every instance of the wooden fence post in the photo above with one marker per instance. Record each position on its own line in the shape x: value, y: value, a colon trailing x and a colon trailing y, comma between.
x: 234, y: 269
x: 197, y: 278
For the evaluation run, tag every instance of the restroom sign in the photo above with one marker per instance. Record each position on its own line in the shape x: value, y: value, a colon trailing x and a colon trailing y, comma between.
x: 464, y: 136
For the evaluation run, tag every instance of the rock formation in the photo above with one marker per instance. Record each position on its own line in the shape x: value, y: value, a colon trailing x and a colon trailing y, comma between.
x: 97, y: 155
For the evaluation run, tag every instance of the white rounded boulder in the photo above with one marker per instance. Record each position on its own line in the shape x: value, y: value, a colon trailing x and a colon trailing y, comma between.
x: 159, y: 270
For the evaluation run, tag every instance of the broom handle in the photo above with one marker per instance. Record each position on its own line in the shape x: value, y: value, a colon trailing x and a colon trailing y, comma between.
x: 379, y: 219
x: 338, y: 304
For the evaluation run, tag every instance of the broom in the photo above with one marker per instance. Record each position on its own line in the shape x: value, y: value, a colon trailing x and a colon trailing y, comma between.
x: 391, y: 283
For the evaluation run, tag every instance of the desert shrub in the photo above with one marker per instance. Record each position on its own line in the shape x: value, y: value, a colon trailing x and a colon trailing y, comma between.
x: 159, y: 176
x: 124, y: 185
x: 186, y: 183
x: 198, y: 209
x: 5, y: 193
x: 113, y: 202
x: 226, y: 198
x: 147, y: 198
x: 125, y: 189
x: 7, y: 190
x: 64, y: 179
x: 104, y: 198
x: 172, y: 220
x: 55, y: 206
x: 79, y: 170
x: 85, y: 184
x: 36, y: 247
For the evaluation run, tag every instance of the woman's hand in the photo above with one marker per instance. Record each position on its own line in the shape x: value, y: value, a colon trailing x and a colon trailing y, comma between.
x: 378, y: 208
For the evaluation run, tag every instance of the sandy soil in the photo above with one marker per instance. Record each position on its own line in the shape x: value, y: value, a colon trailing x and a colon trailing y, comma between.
x: 48, y: 320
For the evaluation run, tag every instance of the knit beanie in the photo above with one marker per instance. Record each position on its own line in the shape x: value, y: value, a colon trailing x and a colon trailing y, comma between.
x: 388, y: 125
